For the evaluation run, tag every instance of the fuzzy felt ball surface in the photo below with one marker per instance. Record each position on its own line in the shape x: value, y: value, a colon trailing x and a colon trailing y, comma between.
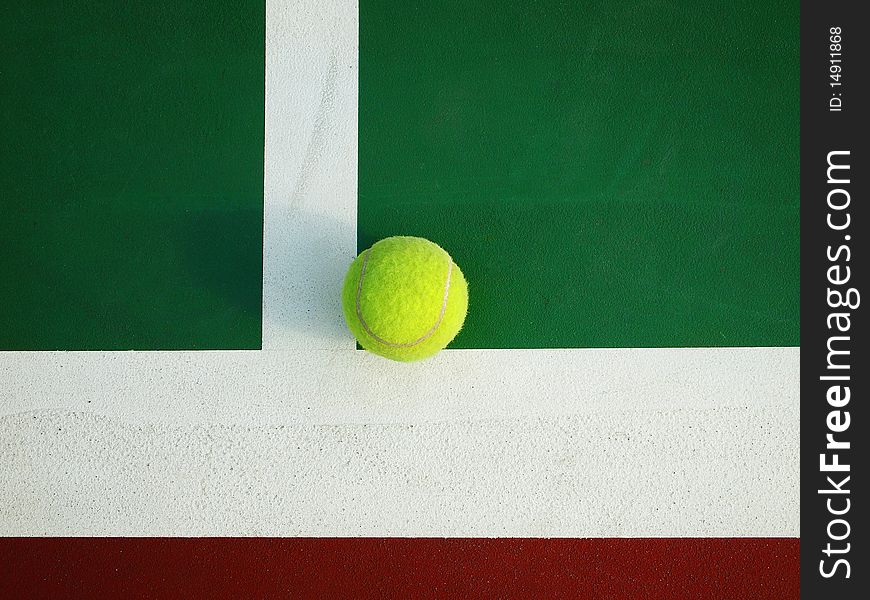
x: 404, y: 298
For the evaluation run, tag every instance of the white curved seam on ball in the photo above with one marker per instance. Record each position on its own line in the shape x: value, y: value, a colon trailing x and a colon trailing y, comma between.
x: 419, y: 340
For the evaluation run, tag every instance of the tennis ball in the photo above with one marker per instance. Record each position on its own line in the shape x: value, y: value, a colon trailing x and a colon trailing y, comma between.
x: 404, y: 298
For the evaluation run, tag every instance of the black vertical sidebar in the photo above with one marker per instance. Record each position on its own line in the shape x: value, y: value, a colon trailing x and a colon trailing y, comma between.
x: 835, y: 369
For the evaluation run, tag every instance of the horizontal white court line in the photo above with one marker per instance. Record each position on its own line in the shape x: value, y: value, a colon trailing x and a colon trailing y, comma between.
x: 346, y: 386
x: 621, y: 442
x: 689, y: 472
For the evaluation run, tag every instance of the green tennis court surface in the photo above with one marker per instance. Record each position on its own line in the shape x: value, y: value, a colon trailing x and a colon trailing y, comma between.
x: 606, y: 173
x: 131, y: 175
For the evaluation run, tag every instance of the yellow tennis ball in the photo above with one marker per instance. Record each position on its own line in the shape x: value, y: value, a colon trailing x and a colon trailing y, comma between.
x: 404, y: 298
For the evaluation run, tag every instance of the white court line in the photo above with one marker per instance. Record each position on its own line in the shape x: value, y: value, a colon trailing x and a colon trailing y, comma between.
x: 310, y: 171
x: 691, y: 472
x: 347, y: 386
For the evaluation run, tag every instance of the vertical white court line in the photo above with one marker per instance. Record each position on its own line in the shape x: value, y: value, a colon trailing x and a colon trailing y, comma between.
x: 310, y: 171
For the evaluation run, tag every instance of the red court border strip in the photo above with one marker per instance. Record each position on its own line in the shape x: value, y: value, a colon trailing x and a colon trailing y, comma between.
x: 674, y: 568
